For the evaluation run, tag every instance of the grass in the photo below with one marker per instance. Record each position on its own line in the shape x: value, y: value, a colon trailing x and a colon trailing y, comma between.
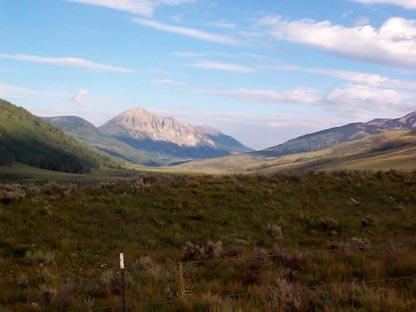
x: 22, y: 173
x: 59, y: 242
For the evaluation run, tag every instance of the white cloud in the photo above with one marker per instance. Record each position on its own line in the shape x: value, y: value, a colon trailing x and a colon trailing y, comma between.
x: 353, y: 76
x: 300, y: 96
x: 168, y: 82
x: 393, y: 44
x: 67, y: 61
x: 17, y: 92
x: 223, y: 25
x: 140, y: 7
x: 187, y: 54
x: 354, y: 101
x: 158, y: 71
x: 408, y: 4
x: 223, y: 66
x: 189, y: 32
x: 79, y: 97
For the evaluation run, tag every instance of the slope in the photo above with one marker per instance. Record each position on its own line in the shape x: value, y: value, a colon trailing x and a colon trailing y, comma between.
x: 395, y: 149
x: 27, y: 139
x: 331, y: 137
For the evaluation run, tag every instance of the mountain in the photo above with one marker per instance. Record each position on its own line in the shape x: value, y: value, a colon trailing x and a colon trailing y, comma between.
x: 27, y: 139
x: 331, y: 137
x: 141, y: 137
x: 390, y: 149
x: 87, y: 132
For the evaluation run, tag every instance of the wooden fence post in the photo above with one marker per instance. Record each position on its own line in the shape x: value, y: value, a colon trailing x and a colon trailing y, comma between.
x: 123, y: 283
x: 181, y: 281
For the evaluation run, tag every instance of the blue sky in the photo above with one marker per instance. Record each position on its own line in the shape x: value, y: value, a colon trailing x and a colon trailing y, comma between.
x: 262, y: 71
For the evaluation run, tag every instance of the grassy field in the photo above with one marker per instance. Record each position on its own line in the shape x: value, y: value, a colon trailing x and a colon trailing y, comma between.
x: 316, y: 241
x: 26, y: 174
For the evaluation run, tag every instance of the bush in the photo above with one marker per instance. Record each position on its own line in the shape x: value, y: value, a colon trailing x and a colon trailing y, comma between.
x: 11, y: 193
x: 369, y: 220
x: 275, y: 231
x: 194, y: 252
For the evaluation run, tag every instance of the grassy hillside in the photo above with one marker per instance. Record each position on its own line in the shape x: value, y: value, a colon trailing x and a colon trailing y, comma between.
x: 27, y: 139
x: 383, y: 151
x: 307, y: 242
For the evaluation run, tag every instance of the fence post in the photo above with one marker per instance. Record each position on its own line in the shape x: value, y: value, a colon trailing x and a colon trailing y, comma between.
x: 122, y: 283
x: 181, y: 281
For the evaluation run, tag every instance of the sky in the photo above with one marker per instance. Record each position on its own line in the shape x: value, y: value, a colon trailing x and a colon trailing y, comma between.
x: 263, y: 71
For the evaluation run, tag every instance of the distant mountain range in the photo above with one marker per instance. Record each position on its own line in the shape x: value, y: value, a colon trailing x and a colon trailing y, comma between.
x: 27, y: 139
x: 331, y: 137
x: 379, y: 144
x: 141, y: 137
x: 72, y: 144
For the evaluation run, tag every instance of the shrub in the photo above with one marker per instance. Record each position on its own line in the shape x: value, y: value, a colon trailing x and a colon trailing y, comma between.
x: 328, y: 224
x: 11, y: 193
x: 275, y: 231
x: 283, y: 296
x: 369, y: 220
x: 40, y: 258
x: 194, y: 252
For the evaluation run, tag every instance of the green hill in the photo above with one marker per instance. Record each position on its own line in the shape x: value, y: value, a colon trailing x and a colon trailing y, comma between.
x: 27, y: 139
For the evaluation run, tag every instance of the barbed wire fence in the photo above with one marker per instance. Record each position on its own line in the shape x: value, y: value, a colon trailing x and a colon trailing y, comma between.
x: 180, y: 276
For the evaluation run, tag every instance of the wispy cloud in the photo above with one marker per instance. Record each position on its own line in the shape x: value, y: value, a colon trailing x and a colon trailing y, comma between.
x: 79, y: 97
x: 392, y: 44
x: 13, y: 91
x: 189, y: 54
x: 223, y: 66
x: 223, y: 25
x: 140, y: 7
x: 158, y: 71
x: 353, y: 100
x: 189, y: 32
x: 168, y: 82
x: 408, y: 4
x: 374, y: 80
x: 67, y: 61
x: 301, y: 96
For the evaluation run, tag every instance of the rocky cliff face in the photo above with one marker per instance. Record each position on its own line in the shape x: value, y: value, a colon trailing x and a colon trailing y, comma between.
x: 140, y: 124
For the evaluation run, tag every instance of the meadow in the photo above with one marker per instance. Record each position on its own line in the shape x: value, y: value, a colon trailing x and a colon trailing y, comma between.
x: 315, y: 241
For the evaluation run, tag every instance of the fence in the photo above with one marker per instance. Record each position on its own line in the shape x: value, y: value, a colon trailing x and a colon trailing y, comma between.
x: 182, y: 272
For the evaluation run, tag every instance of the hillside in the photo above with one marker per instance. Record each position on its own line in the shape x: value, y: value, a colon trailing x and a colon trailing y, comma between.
x: 331, y: 137
x: 27, y: 139
x: 142, y: 138
x: 394, y: 149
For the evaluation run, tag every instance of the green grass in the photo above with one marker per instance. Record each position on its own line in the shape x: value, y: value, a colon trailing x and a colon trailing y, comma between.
x: 59, y: 244
x: 25, y: 174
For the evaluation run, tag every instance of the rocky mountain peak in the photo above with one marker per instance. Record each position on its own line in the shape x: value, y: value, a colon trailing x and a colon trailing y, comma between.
x: 141, y: 124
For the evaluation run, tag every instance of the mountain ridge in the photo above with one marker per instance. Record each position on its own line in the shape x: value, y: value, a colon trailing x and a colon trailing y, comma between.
x: 329, y: 137
x: 140, y: 137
